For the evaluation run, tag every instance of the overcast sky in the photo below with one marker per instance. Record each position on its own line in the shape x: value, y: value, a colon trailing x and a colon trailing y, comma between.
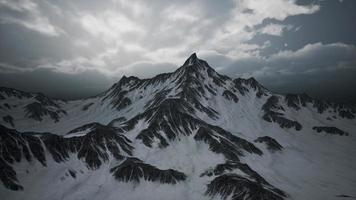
x: 71, y: 49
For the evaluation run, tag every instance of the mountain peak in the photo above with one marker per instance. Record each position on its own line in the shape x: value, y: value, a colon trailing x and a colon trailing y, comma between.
x: 194, y: 64
x: 125, y: 80
x: 193, y: 59
x: 194, y: 55
x: 196, y: 68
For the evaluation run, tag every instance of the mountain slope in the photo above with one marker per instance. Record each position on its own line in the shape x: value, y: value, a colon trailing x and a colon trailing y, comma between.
x: 192, y: 132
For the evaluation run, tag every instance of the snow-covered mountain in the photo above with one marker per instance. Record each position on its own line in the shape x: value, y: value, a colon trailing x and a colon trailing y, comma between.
x: 189, y: 134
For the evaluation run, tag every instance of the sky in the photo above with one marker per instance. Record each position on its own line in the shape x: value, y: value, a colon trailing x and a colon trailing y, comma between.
x: 73, y: 49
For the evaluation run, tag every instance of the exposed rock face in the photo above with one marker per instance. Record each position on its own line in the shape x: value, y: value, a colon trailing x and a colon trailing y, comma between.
x: 271, y: 143
x: 241, y: 84
x: 192, y: 130
x: 297, y: 101
x: 133, y: 169
x: 44, y: 106
x: 229, y: 166
x: 230, y: 96
x: 221, y: 141
x: 87, y: 106
x: 6, y: 105
x: 94, y: 148
x: 8, y: 119
x: 119, y: 101
x: 272, y: 113
x: 9, y: 92
x: 329, y: 130
x: 239, y: 187
x: 228, y: 183
x: 37, y: 111
x: 191, y: 78
x: 167, y: 121
x: 15, y: 147
x: 8, y: 176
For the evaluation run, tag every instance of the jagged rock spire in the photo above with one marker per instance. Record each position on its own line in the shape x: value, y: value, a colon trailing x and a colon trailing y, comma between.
x: 193, y: 64
x: 193, y: 59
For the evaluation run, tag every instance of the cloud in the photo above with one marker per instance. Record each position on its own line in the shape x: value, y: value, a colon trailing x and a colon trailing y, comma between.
x: 110, y: 26
x: 108, y: 36
x: 278, y: 9
x: 275, y: 29
x: 315, y: 58
x: 56, y: 84
x: 325, y: 71
x: 144, y: 38
x: 247, y: 15
x: 27, y: 14
x: 312, y: 58
x: 8, y: 68
x: 146, y: 69
x: 184, y: 13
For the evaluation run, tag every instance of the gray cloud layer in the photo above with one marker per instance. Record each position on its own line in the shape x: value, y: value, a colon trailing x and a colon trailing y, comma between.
x: 91, y: 44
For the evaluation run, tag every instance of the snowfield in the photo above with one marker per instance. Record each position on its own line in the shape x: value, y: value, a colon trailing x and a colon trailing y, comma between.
x: 189, y: 134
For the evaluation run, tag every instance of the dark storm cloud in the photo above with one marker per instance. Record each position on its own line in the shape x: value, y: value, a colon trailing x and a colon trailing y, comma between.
x: 103, y: 40
x: 325, y: 71
x: 58, y: 85
x: 336, y: 86
x: 312, y: 58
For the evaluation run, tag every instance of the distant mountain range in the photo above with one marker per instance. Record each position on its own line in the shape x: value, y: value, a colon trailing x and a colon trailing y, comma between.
x: 189, y: 134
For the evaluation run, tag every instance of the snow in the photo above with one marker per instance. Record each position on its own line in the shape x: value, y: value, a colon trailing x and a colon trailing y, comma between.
x: 311, y: 165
